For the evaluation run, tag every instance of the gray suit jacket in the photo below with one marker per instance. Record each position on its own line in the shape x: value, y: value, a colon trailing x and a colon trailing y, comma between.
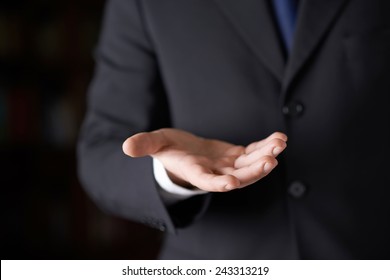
x: 216, y: 68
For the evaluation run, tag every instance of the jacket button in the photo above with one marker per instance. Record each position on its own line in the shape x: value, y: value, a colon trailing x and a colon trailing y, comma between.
x: 297, y: 189
x: 294, y: 109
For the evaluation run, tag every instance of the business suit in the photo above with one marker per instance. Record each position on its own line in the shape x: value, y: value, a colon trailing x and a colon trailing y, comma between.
x: 216, y: 68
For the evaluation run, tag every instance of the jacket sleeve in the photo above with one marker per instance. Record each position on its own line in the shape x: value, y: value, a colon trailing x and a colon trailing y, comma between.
x: 127, y: 96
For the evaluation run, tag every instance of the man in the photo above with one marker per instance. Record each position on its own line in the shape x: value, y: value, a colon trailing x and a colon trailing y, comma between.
x: 185, y: 91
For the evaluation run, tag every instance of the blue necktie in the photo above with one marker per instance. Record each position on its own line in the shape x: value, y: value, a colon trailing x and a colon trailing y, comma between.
x: 286, y: 15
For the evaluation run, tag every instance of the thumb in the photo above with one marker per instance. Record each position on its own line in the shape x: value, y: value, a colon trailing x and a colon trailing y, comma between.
x: 144, y: 144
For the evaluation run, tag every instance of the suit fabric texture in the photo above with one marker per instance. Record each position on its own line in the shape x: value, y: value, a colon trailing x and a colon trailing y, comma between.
x: 217, y: 68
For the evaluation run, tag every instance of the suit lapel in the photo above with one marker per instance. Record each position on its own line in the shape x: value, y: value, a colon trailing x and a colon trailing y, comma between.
x: 314, y: 20
x: 253, y: 21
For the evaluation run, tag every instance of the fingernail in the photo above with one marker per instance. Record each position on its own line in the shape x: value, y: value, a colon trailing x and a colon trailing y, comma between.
x: 229, y: 187
x: 276, y: 151
x: 267, y: 167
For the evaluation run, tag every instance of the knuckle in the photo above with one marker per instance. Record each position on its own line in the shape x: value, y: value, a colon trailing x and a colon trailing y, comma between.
x: 275, y: 142
x: 269, y: 159
x: 278, y: 135
x: 278, y: 143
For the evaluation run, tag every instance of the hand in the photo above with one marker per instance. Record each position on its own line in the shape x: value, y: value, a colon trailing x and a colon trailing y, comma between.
x: 210, y: 165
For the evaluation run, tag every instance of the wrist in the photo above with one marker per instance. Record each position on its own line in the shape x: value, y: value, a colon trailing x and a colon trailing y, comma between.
x: 165, y: 182
x: 181, y: 182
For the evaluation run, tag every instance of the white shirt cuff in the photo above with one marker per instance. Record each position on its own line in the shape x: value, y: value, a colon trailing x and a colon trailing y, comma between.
x: 171, y: 191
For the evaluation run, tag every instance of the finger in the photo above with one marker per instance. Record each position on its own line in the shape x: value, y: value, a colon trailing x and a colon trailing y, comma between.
x: 272, y: 148
x: 145, y: 143
x: 203, y: 178
x: 234, y: 151
x: 256, y: 145
x: 259, y: 144
x: 249, y: 174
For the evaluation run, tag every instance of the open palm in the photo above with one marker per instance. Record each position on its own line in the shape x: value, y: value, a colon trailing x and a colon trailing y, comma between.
x: 207, y: 164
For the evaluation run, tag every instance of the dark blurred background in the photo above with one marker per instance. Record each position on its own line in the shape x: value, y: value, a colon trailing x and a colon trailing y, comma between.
x: 46, y: 64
